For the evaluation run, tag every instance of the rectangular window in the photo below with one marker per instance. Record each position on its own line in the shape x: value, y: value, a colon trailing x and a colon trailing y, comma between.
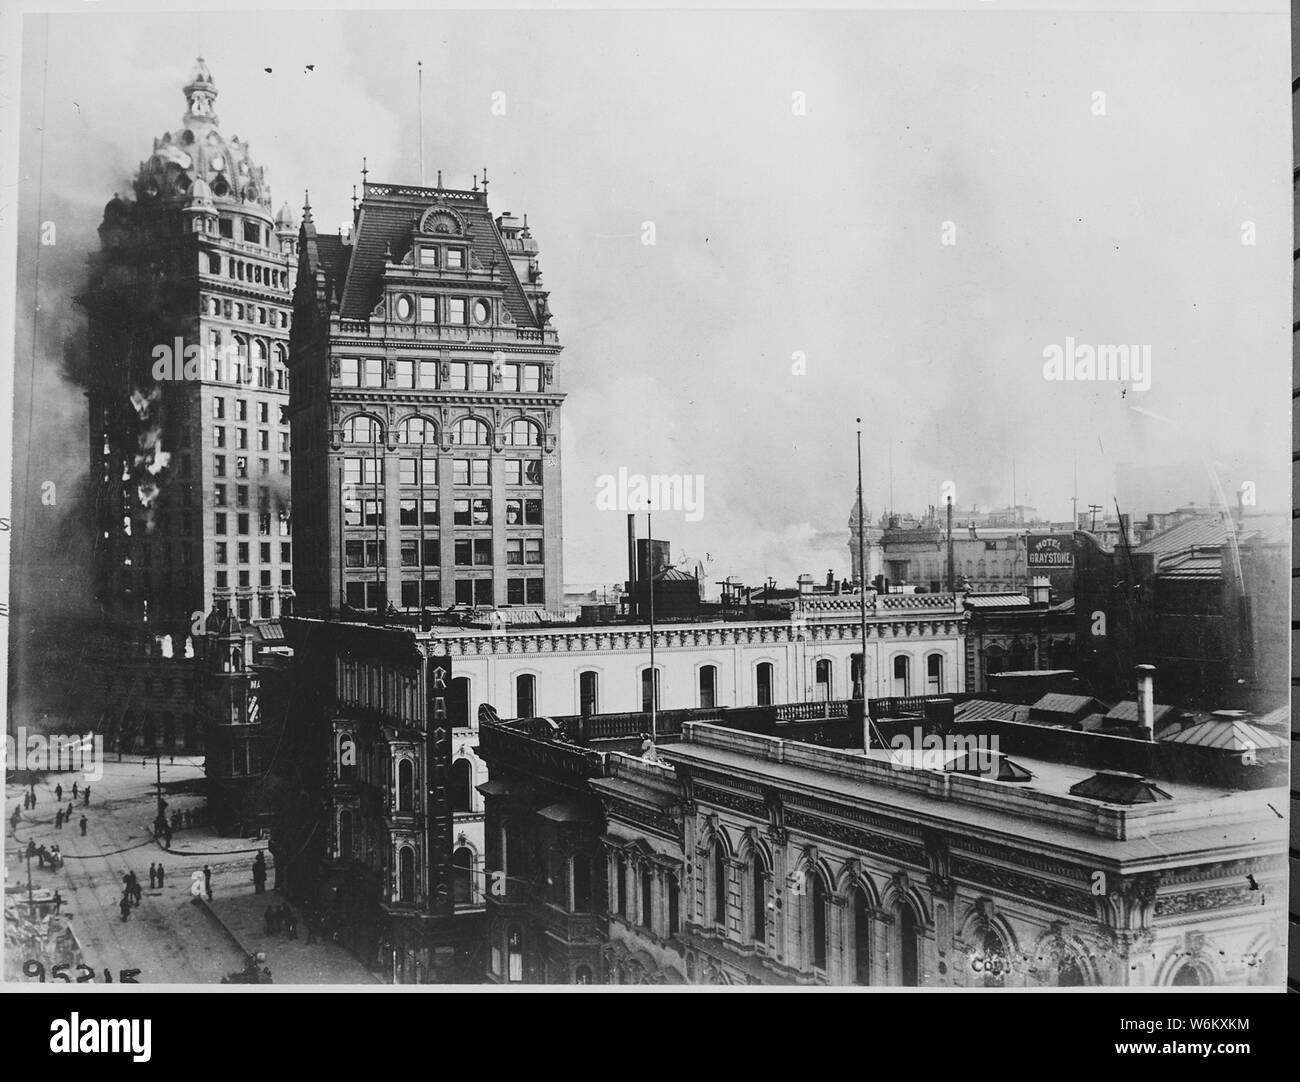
x: 263, y: 467
x: 430, y: 512
x: 460, y: 513
x: 241, y: 438
x: 374, y: 372
x: 264, y: 526
x: 241, y: 409
x: 481, y: 375
x: 523, y: 512
x: 252, y: 233
x: 408, y: 513
x: 428, y: 257
x: 350, y: 372
x: 241, y: 467
x: 284, y: 467
x: 455, y: 258
x: 483, y: 552
x: 531, y: 377
x: 406, y: 468
x: 264, y: 413
x: 410, y: 593
x: 263, y: 439
x: 471, y: 471
x: 218, y: 408
x: 428, y: 310
x: 403, y: 375
x: 464, y: 591
x: 371, y: 552
x: 227, y: 228
x: 241, y: 495
x: 533, y: 550
x: 373, y: 512
x: 223, y: 552
x: 363, y: 471
x: 245, y: 580
x: 223, y: 580
x: 284, y: 442
x: 219, y: 523
x: 429, y: 375
x: 286, y: 577
x: 264, y: 552
x: 483, y: 592
x: 510, y: 377
x: 515, y: 552
x: 219, y: 465
x: 410, y: 553
x: 284, y: 415
x: 264, y: 578
x: 432, y: 554
x: 286, y: 552
x: 242, y: 521
x: 457, y: 375
x: 219, y: 436
x: 514, y: 591
x: 219, y: 495
x: 535, y: 594
x: 243, y: 552
x: 351, y: 512
x: 456, y: 310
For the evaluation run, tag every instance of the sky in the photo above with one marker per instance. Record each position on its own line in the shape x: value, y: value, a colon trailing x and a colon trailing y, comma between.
x: 802, y: 171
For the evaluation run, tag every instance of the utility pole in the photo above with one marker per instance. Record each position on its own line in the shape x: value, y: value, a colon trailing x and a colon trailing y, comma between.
x: 31, y: 901
x: 654, y: 673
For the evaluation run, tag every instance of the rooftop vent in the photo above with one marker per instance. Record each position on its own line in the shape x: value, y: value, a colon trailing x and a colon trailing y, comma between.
x: 1119, y: 787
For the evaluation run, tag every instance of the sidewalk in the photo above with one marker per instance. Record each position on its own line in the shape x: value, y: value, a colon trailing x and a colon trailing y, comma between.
x: 291, y: 961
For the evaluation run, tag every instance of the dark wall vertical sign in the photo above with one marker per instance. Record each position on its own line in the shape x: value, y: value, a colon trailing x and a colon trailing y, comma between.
x: 440, y: 810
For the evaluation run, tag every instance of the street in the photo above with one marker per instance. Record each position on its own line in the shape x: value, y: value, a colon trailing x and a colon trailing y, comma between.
x: 174, y: 935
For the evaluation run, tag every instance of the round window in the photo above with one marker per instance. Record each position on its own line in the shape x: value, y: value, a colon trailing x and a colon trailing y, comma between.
x: 404, y: 308
x: 481, y: 311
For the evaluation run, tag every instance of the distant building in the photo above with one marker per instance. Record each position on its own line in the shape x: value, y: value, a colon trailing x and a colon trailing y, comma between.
x: 1017, y: 632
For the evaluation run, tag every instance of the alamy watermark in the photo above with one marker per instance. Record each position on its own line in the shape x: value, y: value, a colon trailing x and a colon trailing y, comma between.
x: 656, y: 492
x: 55, y: 752
x: 1079, y: 362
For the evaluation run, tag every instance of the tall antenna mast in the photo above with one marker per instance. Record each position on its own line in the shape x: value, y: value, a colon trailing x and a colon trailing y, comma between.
x: 420, y: 69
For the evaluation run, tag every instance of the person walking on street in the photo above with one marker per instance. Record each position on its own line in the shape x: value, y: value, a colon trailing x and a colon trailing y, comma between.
x: 153, y: 876
x: 74, y: 790
x: 160, y: 875
x: 83, y: 826
x: 58, y: 819
x: 85, y: 803
x: 58, y: 792
x: 58, y: 902
x: 259, y: 873
x: 124, y: 907
x: 207, y: 881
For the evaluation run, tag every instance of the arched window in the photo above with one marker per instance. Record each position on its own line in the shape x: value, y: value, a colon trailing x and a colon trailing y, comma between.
x: 580, y: 877
x: 620, y: 883
x: 362, y: 429
x: 708, y: 686
x: 823, y: 680
x: 462, y: 781
x: 718, y: 867
x: 817, y: 902
x: 995, y: 959
x: 907, y: 960
x: 345, y: 835
x: 406, y: 875
x: 462, y: 872
x: 1187, y: 976
x: 588, y: 692
x: 934, y: 674
x: 417, y: 430
x: 758, y: 899
x: 1069, y: 974
x: 522, y: 433
x: 582, y: 975
x: 471, y: 432
x: 647, y: 895
x: 649, y: 678
x: 458, y: 702
x: 515, y: 954
x: 902, y: 676
x: 763, y: 675
x: 525, y: 695
x: 405, y: 785
x: 861, y: 937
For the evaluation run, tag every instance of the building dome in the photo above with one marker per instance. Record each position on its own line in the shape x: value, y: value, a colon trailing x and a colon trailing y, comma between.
x: 197, y: 164
x: 284, y: 218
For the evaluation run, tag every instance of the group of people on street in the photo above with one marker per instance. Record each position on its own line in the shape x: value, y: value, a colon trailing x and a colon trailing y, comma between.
x: 184, y: 819
x: 132, y: 892
x: 157, y: 877
x: 50, y: 857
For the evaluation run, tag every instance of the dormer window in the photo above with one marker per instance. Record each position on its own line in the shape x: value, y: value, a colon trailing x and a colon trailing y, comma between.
x: 455, y: 258
x: 455, y: 309
x: 428, y: 310
x: 428, y: 257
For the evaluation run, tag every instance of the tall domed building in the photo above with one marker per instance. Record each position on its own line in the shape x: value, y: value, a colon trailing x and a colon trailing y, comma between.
x: 188, y: 306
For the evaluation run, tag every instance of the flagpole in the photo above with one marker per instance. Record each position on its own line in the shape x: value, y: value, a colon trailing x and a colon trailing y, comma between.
x: 654, y: 674
x: 862, y: 575
x: 420, y: 66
